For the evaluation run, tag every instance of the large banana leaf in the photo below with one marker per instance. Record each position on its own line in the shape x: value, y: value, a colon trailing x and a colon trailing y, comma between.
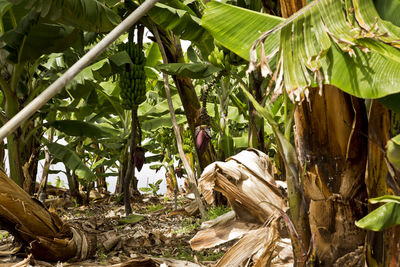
x: 33, y: 38
x: 389, y: 10
x: 383, y: 217
x: 238, y: 28
x: 342, y: 43
x: 88, y: 15
x: 393, y: 151
x: 191, y: 70
x: 79, y: 128
x: 182, y: 21
x: 71, y: 160
x: 153, y: 124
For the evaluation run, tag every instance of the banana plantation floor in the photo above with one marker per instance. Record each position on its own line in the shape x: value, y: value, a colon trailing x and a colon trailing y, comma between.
x: 155, y: 231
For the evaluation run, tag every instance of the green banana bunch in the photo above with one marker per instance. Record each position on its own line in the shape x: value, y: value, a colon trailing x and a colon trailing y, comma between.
x: 133, y: 78
x: 219, y: 59
x: 224, y: 59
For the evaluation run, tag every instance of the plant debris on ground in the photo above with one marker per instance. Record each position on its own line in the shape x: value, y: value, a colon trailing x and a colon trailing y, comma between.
x: 152, y: 230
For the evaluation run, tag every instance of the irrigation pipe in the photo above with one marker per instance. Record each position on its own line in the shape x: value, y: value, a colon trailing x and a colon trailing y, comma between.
x: 75, y: 69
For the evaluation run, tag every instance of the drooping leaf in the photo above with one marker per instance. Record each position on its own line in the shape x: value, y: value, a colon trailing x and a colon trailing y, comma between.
x: 78, y: 128
x: 92, y: 16
x: 381, y: 218
x: 385, y: 199
x: 393, y: 151
x: 191, y: 70
x: 391, y: 102
x: 71, y: 160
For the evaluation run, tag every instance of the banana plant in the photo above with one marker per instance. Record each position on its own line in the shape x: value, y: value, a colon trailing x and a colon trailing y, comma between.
x: 355, y: 37
x: 30, y: 31
x: 346, y: 44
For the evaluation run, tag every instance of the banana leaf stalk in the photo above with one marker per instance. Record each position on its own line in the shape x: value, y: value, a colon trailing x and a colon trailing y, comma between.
x: 189, y: 171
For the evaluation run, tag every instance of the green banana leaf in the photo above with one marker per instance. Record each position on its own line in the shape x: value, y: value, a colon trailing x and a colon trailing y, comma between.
x: 153, y: 56
x: 391, y: 102
x: 71, y: 160
x: 4, y: 7
x: 92, y: 16
x: 389, y: 10
x: 79, y: 128
x: 393, y: 151
x: 191, y: 70
x: 152, y: 124
x: 238, y: 28
x: 325, y: 42
x: 181, y: 20
x: 381, y: 218
x: 32, y: 39
x: 385, y: 199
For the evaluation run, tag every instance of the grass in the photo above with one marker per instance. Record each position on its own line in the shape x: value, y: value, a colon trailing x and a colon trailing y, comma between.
x: 217, y: 211
x: 188, y: 225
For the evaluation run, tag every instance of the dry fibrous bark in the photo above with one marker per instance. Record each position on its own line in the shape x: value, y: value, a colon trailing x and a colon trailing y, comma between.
x: 42, y: 233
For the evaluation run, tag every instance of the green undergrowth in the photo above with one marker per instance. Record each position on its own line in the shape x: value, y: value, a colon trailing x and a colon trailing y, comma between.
x: 217, y: 211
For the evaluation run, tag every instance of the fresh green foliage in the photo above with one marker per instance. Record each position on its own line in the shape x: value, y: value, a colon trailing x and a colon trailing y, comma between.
x: 93, y: 16
x: 191, y: 70
x: 71, y: 160
x: 338, y: 57
x: 189, y: 224
x: 217, y: 211
x: 79, y: 128
x: 385, y: 216
x: 153, y: 188
x: 393, y: 151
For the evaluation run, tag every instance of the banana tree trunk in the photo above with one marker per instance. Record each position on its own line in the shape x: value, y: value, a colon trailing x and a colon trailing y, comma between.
x: 378, y: 132
x: 332, y: 149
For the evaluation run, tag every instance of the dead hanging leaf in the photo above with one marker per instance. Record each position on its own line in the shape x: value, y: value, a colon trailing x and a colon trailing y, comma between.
x: 245, y: 248
x: 225, y: 229
x: 244, y: 180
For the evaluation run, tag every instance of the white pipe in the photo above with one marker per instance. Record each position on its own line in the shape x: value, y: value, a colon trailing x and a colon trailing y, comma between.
x: 75, y: 69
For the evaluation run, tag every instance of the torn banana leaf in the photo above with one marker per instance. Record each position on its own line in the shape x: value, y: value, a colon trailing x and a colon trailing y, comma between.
x: 342, y: 43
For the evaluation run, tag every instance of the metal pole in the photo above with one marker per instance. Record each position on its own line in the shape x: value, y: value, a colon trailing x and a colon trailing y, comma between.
x: 75, y: 69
